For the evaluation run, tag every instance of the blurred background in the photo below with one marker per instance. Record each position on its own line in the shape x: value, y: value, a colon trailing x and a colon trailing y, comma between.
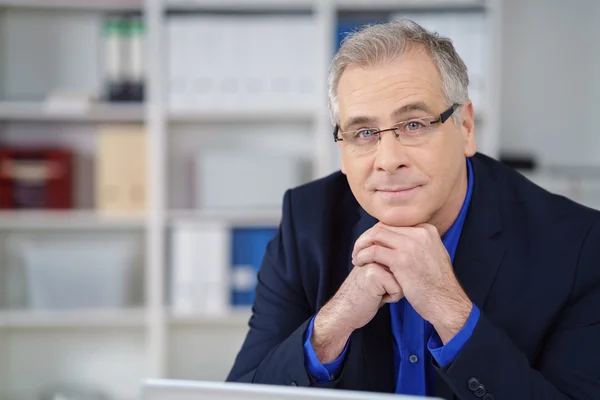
x: 145, y: 148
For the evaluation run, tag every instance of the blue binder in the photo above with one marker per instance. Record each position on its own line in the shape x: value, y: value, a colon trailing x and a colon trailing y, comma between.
x: 354, y: 21
x: 248, y: 246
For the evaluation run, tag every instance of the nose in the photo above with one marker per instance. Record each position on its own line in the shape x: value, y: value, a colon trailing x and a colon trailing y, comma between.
x: 390, y: 154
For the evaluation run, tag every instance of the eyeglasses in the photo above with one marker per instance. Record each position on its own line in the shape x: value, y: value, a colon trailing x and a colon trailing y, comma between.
x: 410, y: 133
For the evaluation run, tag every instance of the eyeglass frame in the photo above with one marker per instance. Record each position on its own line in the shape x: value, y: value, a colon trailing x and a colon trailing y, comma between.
x: 444, y: 116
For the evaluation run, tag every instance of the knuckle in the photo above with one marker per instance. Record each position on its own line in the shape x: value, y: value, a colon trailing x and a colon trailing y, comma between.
x: 372, y: 273
x: 373, y: 251
x: 374, y: 232
x: 423, y: 232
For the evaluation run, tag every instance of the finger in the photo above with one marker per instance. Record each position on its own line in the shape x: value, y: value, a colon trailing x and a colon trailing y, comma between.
x: 392, y: 288
x: 375, y: 254
x: 378, y: 234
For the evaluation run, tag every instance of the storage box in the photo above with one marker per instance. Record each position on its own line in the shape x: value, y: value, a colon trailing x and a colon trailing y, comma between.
x: 121, y: 169
x: 237, y: 180
x: 69, y: 272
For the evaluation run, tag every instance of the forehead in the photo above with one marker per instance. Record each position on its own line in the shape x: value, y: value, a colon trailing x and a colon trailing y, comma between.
x: 379, y: 90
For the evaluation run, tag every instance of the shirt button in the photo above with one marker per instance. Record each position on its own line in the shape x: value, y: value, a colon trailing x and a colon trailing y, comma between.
x: 413, y: 358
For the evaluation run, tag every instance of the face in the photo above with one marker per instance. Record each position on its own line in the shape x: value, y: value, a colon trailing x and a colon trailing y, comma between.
x: 397, y: 184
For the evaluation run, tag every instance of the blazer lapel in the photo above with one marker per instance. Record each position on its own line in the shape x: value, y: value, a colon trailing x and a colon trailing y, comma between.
x: 480, y: 249
x: 375, y: 337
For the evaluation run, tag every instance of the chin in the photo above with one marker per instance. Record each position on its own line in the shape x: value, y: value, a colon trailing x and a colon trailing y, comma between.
x: 399, y: 216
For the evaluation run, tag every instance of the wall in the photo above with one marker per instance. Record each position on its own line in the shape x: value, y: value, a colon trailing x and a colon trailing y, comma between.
x: 551, y: 80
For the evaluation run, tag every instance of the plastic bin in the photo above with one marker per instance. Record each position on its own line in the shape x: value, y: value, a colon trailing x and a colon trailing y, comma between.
x: 77, y: 272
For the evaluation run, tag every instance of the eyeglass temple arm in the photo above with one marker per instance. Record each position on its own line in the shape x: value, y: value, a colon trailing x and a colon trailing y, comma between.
x: 446, y: 114
x: 335, y: 134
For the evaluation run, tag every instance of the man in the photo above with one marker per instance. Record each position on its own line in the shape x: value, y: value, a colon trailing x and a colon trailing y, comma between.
x: 424, y: 268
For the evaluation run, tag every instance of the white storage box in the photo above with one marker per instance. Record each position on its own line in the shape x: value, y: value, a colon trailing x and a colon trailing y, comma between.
x: 68, y: 271
x: 237, y: 179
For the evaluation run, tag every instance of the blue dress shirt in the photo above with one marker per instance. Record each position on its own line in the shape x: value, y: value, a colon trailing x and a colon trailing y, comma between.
x: 412, y: 363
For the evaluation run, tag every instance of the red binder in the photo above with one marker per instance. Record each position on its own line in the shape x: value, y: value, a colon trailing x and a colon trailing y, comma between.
x: 36, y: 178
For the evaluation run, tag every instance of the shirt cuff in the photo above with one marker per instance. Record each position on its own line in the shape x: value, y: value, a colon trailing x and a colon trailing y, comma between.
x: 322, y: 373
x: 445, y: 354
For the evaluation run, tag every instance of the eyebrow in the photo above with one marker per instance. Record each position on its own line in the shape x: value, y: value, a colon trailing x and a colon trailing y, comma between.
x: 418, y: 106
x: 398, y: 113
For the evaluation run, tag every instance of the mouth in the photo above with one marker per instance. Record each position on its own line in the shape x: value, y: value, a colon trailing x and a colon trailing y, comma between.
x: 397, y: 193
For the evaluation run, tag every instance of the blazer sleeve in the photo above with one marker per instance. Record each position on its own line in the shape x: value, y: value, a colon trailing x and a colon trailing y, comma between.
x: 567, y: 365
x: 273, y: 352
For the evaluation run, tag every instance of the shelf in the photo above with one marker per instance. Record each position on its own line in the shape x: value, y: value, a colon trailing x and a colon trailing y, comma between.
x: 92, y: 5
x: 127, y: 318
x: 233, y: 318
x: 262, y: 217
x: 240, y: 5
x: 240, y: 115
x: 68, y: 220
x: 31, y: 111
x: 393, y: 5
x: 307, y: 5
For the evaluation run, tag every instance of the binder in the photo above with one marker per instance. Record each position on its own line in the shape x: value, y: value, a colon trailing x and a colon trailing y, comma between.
x: 221, y: 62
x: 468, y: 31
x: 199, y: 262
x: 121, y: 169
x: 352, y: 22
x: 248, y: 250
x: 114, y: 56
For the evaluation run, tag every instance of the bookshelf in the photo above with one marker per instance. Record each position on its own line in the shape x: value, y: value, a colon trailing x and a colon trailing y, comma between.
x: 149, y: 341
x: 453, y: 5
x: 222, y: 116
x: 95, y: 5
x: 81, y: 319
x: 68, y: 220
x: 96, y: 113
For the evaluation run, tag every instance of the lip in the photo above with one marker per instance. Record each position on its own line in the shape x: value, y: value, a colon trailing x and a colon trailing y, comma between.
x: 399, y: 193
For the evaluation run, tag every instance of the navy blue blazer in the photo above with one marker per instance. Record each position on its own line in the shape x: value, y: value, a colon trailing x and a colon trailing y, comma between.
x: 530, y: 260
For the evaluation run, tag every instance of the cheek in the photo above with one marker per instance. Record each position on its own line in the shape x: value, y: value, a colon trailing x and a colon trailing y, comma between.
x: 357, y: 170
x: 437, y: 165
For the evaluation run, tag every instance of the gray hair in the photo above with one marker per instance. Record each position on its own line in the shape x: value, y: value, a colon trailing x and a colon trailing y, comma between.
x: 381, y: 43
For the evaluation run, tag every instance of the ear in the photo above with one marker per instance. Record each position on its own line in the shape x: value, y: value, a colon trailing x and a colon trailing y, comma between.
x: 467, y: 128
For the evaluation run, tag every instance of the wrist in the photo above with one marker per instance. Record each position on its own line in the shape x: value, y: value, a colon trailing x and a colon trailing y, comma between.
x: 453, y: 319
x: 328, y: 337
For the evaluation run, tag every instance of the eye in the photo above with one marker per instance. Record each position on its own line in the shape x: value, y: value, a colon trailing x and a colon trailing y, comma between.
x: 414, y: 126
x: 366, y: 133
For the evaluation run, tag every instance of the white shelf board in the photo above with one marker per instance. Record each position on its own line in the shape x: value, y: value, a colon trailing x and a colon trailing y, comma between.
x: 126, y: 318
x: 284, y: 5
x: 31, y: 111
x: 233, y: 318
x: 259, y: 217
x: 92, y: 5
x: 68, y: 220
x: 391, y: 5
x: 243, y: 115
x: 208, y: 5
